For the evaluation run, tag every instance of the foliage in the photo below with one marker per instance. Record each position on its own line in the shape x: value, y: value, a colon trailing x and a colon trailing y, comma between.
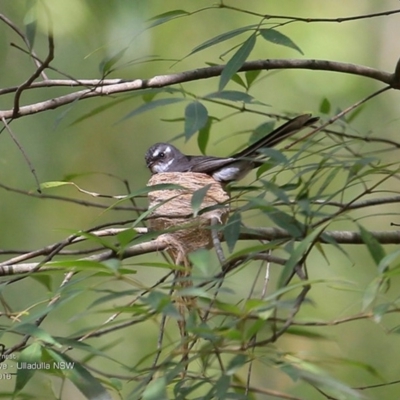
x: 106, y: 312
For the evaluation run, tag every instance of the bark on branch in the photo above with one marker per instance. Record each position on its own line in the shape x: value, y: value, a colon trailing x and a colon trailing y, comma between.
x: 107, y: 89
x: 159, y: 244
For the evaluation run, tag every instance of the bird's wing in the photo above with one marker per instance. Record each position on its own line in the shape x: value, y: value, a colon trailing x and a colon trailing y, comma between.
x: 277, y: 135
x: 207, y: 164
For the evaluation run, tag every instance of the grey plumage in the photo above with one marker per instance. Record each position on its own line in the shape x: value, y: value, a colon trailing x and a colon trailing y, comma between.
x: 164, y: 157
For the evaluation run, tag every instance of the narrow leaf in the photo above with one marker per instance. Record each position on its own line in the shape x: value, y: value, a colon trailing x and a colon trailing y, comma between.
x: 165, y: 17
x: 232, y: 95
x: 150, y: 106
x: 355, y: 113
x: 286, y: 221
x: 30, y: 22
x: 197, y: 199
x: 196, y: 117
x: 156, y: 390
x: 31, y: 355
x: 261, y: 131
x: 79, y: 376
x: 108, y: 62
x: 35, y: 331
x: 236, y: 62
x: 204, y: 135
x: 221, y: 38
x: 251, y: 76
x: 237, y: 362
x: 237, y: 79
x: 100, y: 109
x: 232, y: 230
x: 374, y: 247
x: 296, y: 255
x: 53, y: 184
x: 279, y: 38
x: 371, y: 293
x: 387, y: 260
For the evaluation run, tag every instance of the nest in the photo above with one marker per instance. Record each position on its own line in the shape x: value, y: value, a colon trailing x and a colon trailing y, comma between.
x: 173, y: 210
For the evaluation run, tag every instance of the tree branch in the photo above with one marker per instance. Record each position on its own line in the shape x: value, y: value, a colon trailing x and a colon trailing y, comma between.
x: 195, y: 75
x: 11, y: 267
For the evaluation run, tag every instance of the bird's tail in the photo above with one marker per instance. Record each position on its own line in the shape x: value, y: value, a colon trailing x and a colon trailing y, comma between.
x: 277, y: 135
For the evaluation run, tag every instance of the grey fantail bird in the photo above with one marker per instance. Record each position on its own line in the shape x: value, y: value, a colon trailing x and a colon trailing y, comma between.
x: 164, y: 157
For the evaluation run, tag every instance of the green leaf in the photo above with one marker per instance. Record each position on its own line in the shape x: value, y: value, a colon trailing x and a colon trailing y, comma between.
x: 156, y: 390
x: 108, y: 62
x: 371, y: 292
x: 256, y: 326
x: 167, y: 16
x: 236, y: 62
x: 192, y: 291
x: 251, y: 76
x: 196, y: 117
x: 45, y: 279
x: 161, y: 302
x: 273, y: 36
x: 204, y: 135
x: 126, y: 236
x: 237, y: 362
x: 110, y: 295
x: 328, y: 180
x: 261, y: 131
x: 351, y: 117
x: 232, y: 95
x: 296, y: 255
x: 325, y: 106
x: 232, y: 230
x: 35, y: 331
x: 53, y: 184
x: 374, y: 247
x: 312, y: 374
x: 286, y: 221
x: 151, y: 106
x: 31, y: 355
x: 387, y: 260
x: 91, y: 350
x: 98, y: 110
x: 197, y: 198
x: 237, y: 79
x: 200, y: 259
x: 221, y: 387
x: 30, y: 22
x: 221, y: 38
x: 79, y: 376
x: 81, y: 265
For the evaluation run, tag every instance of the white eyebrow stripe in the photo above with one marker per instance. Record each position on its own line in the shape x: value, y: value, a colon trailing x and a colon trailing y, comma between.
x: 158, y: 151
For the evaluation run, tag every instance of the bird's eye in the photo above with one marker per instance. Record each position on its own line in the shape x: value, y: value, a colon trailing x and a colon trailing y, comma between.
x: 161, y: 155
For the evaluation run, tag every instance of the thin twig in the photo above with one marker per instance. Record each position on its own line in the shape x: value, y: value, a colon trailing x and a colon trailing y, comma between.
x: 69, y: 200
x: 21, y: 149
x: 309, y: 20
x: 39, y: 70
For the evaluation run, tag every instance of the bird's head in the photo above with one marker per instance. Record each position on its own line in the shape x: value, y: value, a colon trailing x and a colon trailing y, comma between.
x: 160, y: 156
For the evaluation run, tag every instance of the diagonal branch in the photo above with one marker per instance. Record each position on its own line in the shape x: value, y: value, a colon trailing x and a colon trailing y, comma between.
x: 36, y: 74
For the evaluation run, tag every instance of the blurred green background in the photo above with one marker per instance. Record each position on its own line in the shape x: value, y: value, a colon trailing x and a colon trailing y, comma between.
x: 87, y: 32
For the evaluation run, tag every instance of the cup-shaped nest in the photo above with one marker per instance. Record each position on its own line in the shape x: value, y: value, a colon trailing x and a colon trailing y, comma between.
x: 173, y: 208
